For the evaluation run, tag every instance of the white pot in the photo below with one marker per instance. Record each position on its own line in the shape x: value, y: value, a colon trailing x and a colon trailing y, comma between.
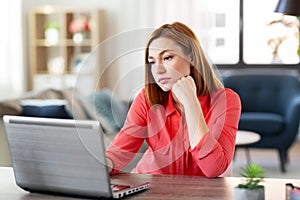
x: 51, y: 36
x: 247, y: 194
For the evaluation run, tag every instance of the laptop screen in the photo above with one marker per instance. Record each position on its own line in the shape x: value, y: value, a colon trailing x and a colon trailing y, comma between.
x: 59, y: 156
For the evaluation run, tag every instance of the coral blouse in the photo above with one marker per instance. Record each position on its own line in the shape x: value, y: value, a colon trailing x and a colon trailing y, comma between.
x: 166, y: 133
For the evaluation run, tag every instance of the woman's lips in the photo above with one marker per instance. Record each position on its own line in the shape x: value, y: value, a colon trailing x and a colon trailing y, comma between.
x: 163, y: 80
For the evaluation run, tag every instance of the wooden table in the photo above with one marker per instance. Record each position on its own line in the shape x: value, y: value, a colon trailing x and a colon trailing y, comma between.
x: 162, y: 187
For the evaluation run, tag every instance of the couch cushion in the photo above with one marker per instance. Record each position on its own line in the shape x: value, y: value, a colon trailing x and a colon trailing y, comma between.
x: 264, y: 123
x: 54, y: 108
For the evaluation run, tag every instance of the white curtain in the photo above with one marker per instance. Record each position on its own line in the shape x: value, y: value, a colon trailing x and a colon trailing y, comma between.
x: 11, y: 56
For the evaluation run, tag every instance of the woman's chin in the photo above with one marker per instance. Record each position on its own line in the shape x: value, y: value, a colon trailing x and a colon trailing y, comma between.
x: 165, y: 88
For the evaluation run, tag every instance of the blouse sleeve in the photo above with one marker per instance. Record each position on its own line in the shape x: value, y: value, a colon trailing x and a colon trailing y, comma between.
x: 129, y: 140
x: 214, y: 152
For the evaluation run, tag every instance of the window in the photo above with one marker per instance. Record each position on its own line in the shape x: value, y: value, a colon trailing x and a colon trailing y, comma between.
x: 265, y: 38
x: 269, y: 37
x: 222, y: 30
x: 11, y: 69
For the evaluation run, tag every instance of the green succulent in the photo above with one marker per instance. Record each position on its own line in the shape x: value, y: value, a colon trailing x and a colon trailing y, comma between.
x: 254, y: 174
x: 52, y: 24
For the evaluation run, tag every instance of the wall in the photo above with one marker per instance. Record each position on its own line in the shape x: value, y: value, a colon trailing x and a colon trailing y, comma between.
x: 128, y: 24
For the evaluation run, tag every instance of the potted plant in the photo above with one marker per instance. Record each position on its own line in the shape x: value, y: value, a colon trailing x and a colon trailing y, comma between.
x: 284, y: 31
x: 251, y: 189
x: 79, y: 27
x: 52, y: 32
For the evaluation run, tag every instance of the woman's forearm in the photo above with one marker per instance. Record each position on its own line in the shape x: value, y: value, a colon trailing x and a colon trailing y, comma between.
x: 196, y: 124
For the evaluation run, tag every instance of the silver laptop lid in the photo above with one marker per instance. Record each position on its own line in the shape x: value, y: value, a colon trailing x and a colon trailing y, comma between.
x: 58, y: 155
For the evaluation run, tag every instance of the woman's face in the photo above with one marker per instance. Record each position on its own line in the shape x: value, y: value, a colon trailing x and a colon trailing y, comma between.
x: 168, y: 62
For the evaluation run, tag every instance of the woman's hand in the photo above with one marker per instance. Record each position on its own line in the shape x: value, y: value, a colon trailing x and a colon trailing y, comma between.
x: 110, y: 165
x: 185, y: 90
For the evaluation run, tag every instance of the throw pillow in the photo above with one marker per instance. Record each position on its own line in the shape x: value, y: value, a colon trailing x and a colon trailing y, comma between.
x: 109, y: 109
x: 76, y: 107
x: 10, y: 107
x: 51, y: 108
x: 85, y: 103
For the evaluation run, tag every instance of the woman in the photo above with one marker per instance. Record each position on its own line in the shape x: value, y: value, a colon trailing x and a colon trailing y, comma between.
x: 187, y: 118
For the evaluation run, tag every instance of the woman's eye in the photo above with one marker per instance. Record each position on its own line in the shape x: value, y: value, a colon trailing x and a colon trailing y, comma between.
x: 168, y: 58
x: 151, y: 62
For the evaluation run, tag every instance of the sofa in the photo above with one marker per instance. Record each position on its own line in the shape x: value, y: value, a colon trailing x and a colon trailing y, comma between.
x: 102, y: 105
x: 270, y: 107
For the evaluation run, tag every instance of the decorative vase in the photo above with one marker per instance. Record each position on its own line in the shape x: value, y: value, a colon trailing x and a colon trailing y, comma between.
x: 247, y: 194
x: 78, y: 37
x: 56, y: 65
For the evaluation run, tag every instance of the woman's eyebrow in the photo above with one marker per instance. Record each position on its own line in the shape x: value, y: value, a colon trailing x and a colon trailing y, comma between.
x: 161, y: 53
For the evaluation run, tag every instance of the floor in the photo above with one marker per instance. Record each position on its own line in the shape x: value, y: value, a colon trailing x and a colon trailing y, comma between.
x: 269, y: 160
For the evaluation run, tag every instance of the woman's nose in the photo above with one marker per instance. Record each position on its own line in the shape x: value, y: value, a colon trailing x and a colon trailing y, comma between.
x: 160, y: 69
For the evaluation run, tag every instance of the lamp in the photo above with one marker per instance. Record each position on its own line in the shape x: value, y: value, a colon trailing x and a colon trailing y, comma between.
x: 288, y: 7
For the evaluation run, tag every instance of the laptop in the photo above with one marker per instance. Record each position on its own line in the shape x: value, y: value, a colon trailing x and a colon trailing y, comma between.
x: 63, y: 157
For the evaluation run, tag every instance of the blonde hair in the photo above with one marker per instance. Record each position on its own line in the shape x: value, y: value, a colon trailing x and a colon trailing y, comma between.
x: 201, y: 70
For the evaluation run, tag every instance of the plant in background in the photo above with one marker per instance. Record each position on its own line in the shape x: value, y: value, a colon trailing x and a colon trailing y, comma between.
x: 80, y: 28
x: 52, y: 25
x: 254, y: 174
x: 51, y: 32
x: 79, y: 24
x: 284, y: 38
